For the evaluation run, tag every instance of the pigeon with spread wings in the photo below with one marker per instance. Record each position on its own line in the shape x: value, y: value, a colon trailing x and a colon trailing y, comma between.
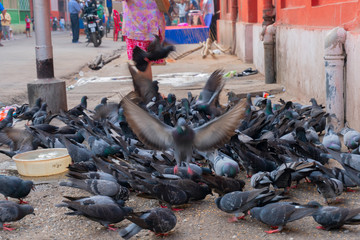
x: 182, y: 138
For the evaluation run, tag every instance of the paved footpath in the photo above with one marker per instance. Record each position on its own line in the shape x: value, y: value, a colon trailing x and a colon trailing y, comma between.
x: 18, y: 61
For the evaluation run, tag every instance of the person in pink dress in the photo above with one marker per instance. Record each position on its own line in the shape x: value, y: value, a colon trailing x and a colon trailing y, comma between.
x: 142, y: 20
x: 27, y: 26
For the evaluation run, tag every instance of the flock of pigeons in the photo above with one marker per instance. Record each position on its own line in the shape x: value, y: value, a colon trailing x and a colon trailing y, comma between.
x: 179, y: 151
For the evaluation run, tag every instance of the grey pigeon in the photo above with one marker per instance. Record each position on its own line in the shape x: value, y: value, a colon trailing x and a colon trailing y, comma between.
x: 208, y: 101
x: 28, y: 115
x: 330, y: 217
x: 77, y: 151
x: 40, y: 116
x: 157, y: 135
x: 223, y: 165
x: 145, y: 88
x: 98, y: 199
x: 351, y: 138
x: 157, y: 220
x: 241, y: 202
x: 11, y: 212
x: 329, y: 188
x: 15, y: 187
x: 99, y: 209
x: 331, y: 139
x: 92, y: 175
x: 279, y: 214
x: 99, y: 187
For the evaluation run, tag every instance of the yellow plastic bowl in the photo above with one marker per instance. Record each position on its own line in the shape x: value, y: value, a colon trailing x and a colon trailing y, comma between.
x: 42, y: 162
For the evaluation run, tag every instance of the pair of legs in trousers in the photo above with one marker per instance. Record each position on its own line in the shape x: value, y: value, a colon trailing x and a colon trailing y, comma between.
x: 75, y: 27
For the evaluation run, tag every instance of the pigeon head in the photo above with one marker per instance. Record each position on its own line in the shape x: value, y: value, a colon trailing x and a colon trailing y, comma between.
x: 25, y: 210
x: 104, y: 100
x: 230, y: 170
x: 217, y: 202
x: 314, y: 203
x: 181, y: 126
x: 171, y: 98
x: 255, y: 212
x: 38, y: 102
x: 205, y: 188
x: 120, y: 202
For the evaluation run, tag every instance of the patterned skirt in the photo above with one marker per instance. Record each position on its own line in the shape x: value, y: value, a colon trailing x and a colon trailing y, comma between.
x: 131, y: 43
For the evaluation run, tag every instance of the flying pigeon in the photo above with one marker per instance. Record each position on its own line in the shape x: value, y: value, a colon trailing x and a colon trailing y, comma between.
x: 155, y: 51
x: 157, y: 135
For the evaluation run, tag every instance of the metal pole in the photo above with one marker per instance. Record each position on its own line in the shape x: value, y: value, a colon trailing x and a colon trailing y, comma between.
x: 49, y: 89
x: 269, y: 54
x: 43, y: 49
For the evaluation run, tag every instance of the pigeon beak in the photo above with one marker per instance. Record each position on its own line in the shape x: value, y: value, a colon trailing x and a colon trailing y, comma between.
x: 249, y: 213
x: 33, y: 188
x: 34, y: 214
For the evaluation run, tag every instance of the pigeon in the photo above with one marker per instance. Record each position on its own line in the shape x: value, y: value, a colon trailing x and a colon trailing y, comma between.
x: 28, y: 115
x: 164, y: 192
x: 329, y: 188
x: 79, y: 109
x: 8, y: 120
x: 15, y: 187
x: 77, y: 151
x: 330, y: 217
x: 157, y: 220
x: 331, y: 139
x: 241, y: 202
x: 157, y: 135
x: 99, y: 209
x: 92, y: 175
x: 40, y: 116
x: 351, y: 138
x: 102, y: 104
x: 155, y: 51
x: 208, y: 101
x: 221, y: 185
x: 145, y: 88
x: 223, y: 165
x: 11, y: 212
x: 99, y: 187
x: 278, y: 214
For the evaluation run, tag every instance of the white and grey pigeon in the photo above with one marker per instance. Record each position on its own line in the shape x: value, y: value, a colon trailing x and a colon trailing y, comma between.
x: 351, y: 137
x: 99, y: 187
x: 222, y: 164
x: 182, y: 138
x: 331, y: 139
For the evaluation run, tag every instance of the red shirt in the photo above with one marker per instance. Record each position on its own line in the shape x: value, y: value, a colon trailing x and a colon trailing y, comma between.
x: 27, y: 21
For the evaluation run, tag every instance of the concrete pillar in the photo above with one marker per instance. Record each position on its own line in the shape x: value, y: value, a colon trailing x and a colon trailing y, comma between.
x: 334, y: 74
x: 269, y: 54
x: 51, y: 90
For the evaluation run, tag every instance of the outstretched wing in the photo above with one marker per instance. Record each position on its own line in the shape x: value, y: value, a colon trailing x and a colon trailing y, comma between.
x: 217, y: 132
x: 151, y: 131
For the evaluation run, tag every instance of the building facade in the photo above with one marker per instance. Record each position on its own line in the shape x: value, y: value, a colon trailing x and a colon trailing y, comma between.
x: 301, y: 34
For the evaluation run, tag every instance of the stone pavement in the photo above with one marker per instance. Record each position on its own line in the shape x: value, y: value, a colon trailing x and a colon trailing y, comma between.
x: 17, y: 68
